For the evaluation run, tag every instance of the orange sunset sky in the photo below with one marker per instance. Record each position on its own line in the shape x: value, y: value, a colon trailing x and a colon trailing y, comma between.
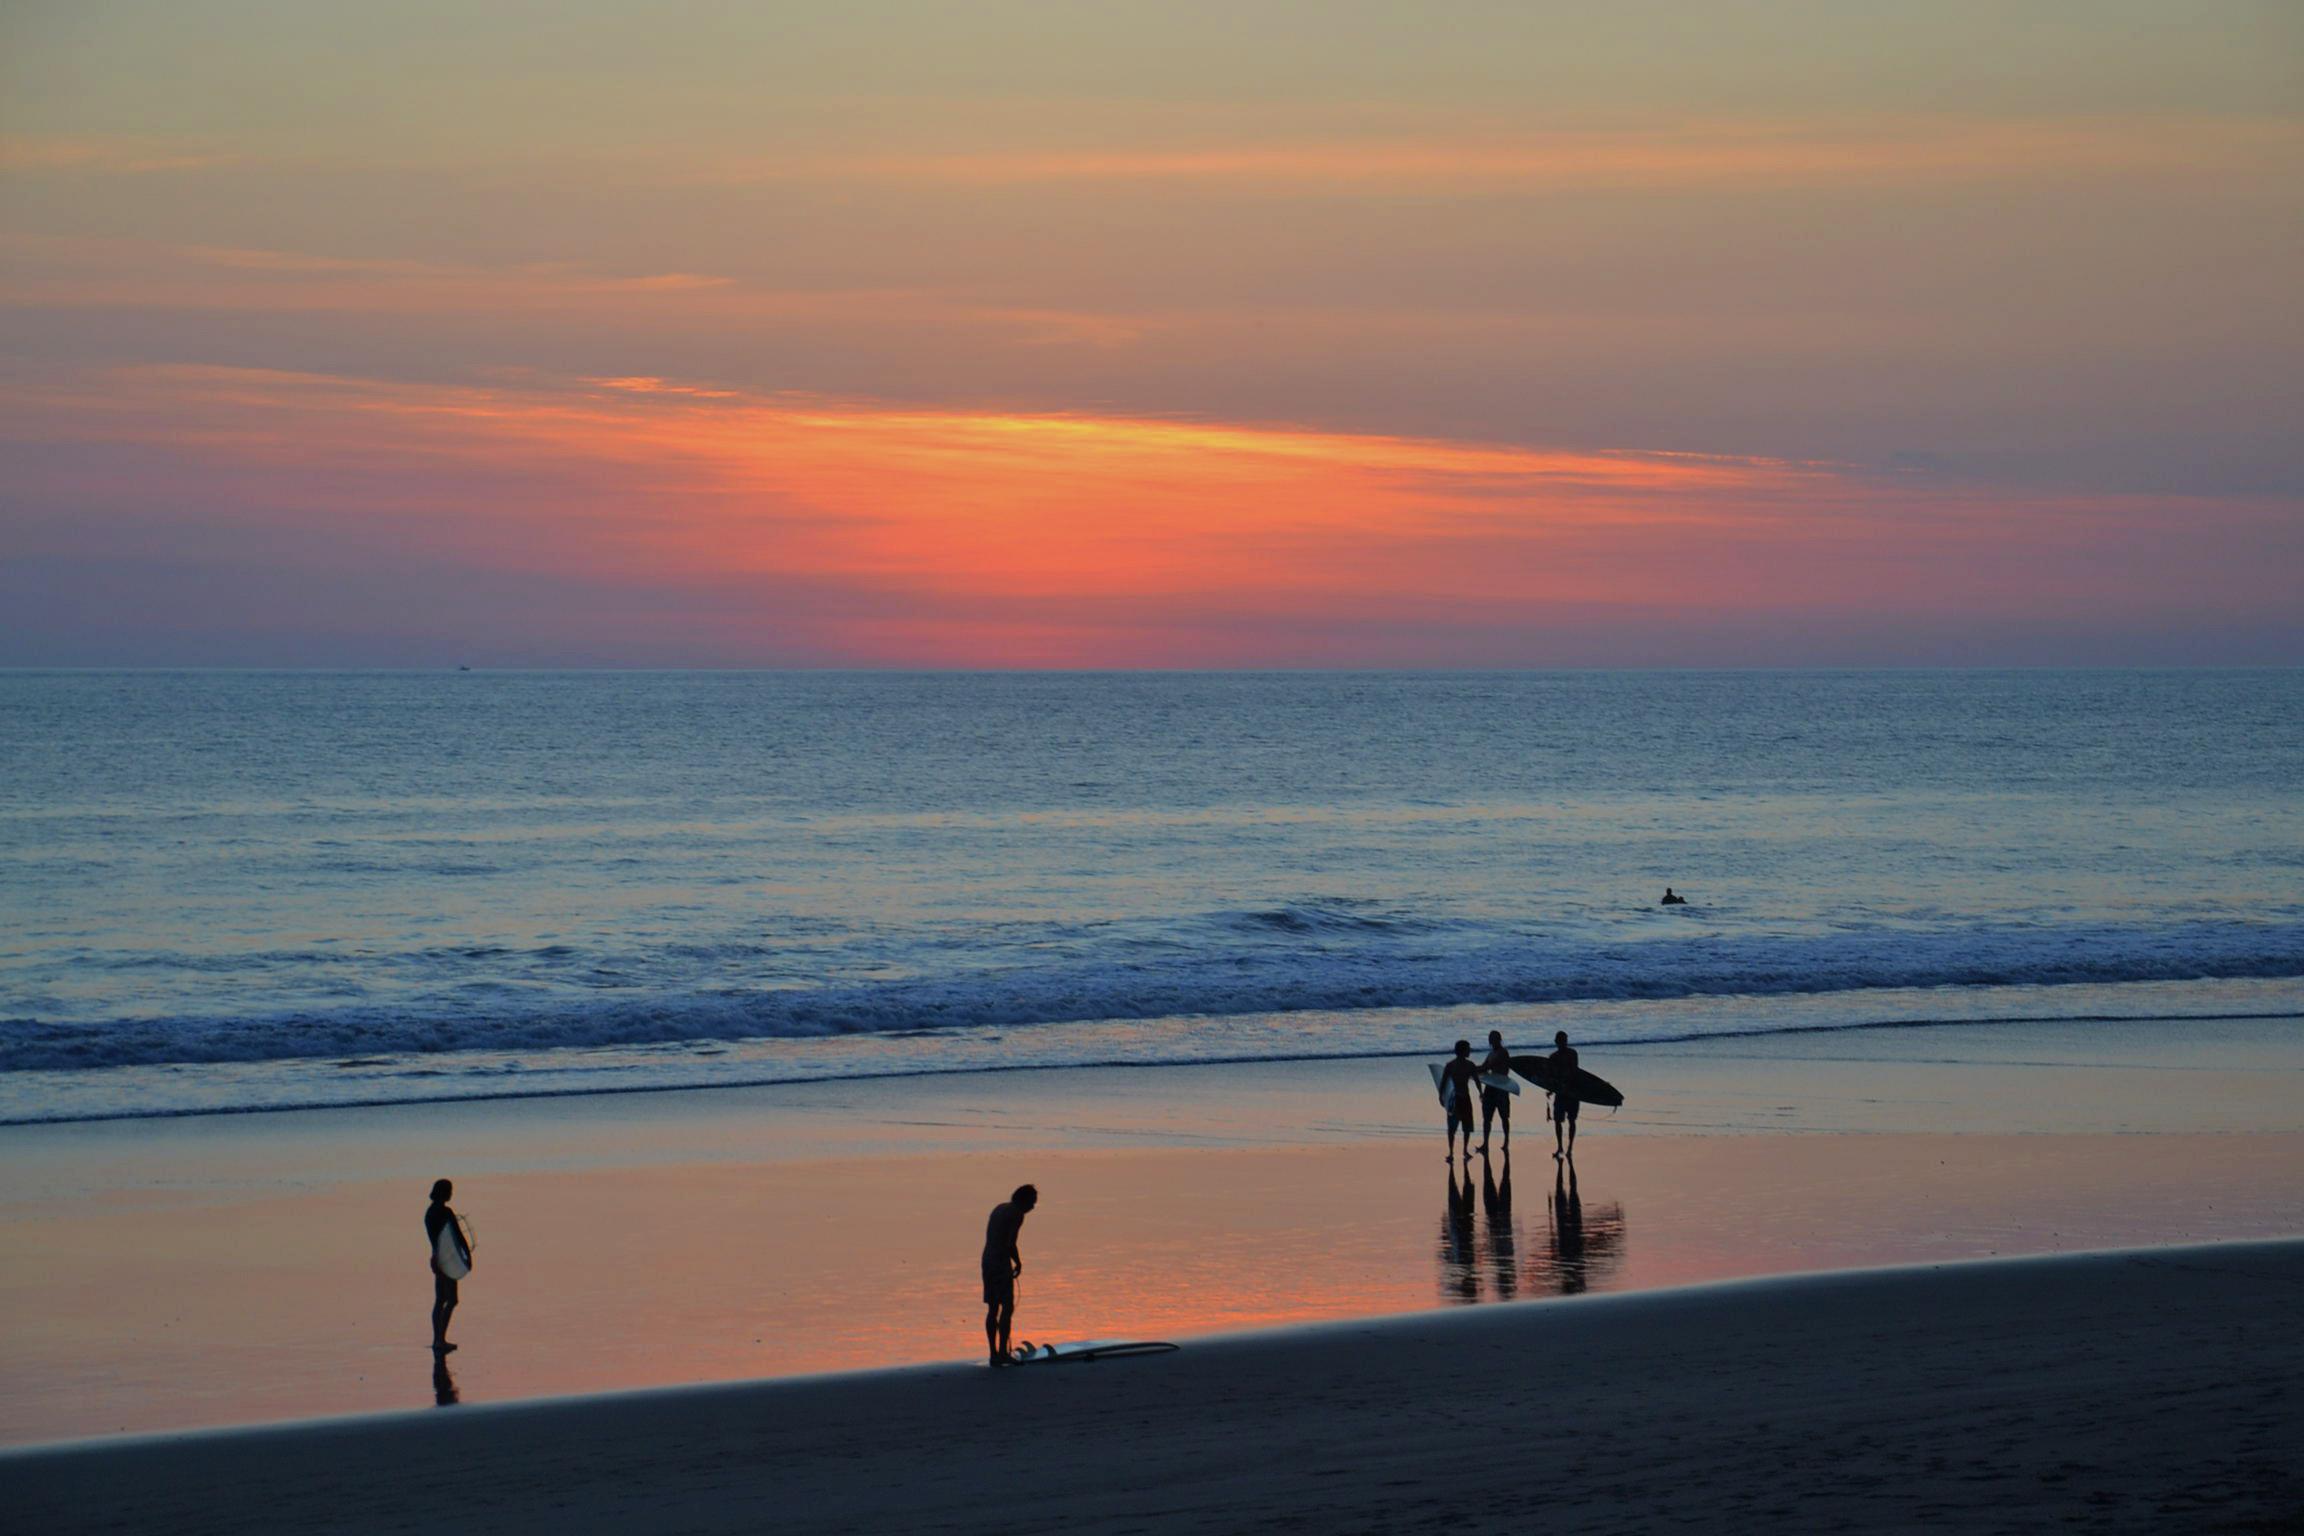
x: 1035, y: 334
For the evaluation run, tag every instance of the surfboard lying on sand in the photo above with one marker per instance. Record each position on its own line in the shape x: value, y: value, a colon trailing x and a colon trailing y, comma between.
x: 1586, y: 1087
x: 1029, y: 1353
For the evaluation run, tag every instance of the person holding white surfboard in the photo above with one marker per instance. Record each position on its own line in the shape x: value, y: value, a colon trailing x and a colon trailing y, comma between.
x: 1496, y: 1103
x: 451, y: 1260
x: 1457, y: 1082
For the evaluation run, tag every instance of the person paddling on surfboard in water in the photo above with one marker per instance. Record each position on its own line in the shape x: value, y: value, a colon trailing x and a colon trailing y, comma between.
x: 1459, y: 1080
x: 444, y: 1234
x: 1564, y: 1099
x: 1495, y: 1103
x: 1002, y: 1264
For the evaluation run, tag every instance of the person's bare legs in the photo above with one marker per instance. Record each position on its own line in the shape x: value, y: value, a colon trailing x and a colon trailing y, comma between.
x: 999, y: 1318
x: 443, y: 1308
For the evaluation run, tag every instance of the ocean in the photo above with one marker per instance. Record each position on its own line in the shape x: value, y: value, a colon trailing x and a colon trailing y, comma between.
x: 226, y: 891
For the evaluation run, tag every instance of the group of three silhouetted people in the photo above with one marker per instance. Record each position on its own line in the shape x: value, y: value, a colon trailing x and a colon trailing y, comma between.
x: 1461, y: 1077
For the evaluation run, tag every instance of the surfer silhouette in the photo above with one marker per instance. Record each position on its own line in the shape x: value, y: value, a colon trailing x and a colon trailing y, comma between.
x: 1564, y: 1099
x: 1459, y: 1080
x: 444, y: 1236
x: 1671, y: 900
x: 1495, y: 1103
x: 1002, y: 1265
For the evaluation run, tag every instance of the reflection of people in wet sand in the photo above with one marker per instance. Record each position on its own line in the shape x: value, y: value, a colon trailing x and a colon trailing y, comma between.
x: 1585, y: 1246
x: 1495, y: 1103
x: 439, y: 1218
x: 1503, y: 1246
x: 444, y: 1393
x: 1459, y: 1254
x: 1459, y: 1079
x: 1002, y: 1264
x: 1563, y: 1096
x: 1567, y: 1229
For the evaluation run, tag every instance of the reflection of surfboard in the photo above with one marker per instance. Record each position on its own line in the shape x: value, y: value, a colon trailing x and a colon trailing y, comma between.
x: 1447, y: 1088
x: 1586, y: 1088
x: 1029, y: 1353
x: 453, y: 1264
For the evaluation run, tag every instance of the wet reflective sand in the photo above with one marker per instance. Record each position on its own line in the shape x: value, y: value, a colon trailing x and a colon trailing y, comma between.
x: 225, y: 1270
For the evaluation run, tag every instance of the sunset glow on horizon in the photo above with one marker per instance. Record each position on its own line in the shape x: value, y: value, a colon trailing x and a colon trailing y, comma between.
x: 857, y: 337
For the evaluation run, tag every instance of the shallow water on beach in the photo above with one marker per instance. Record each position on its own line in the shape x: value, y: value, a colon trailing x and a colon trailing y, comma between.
x: 247, y: 890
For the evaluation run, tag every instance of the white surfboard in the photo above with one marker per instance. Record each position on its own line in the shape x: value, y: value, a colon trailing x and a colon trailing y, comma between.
x: 1500, y: 1081
x: 1028, y: 1353
x: 1447, y: 1088
x: 451, y: 1258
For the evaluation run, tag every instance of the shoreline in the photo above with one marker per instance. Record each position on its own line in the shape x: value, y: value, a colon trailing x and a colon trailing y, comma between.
x: 1993, y: 1394
x: 1414, y: 1053
x: 1289, y: 1037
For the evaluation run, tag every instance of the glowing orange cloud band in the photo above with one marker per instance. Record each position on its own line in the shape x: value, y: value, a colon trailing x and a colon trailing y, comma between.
x: 1002, y: 537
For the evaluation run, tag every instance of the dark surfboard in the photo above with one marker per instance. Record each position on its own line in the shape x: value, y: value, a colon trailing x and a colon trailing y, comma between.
x: 1586, y: 1089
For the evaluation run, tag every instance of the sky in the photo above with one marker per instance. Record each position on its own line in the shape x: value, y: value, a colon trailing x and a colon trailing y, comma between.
x: 1665, y: 333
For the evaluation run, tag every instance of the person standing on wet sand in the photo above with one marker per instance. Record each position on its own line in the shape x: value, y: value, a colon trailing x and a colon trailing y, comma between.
x: 1564, y: 1099
x: 438, y: 1218
x: 1002, y: 1264
x: 1495, y: 1103
x: 1459, y: 1081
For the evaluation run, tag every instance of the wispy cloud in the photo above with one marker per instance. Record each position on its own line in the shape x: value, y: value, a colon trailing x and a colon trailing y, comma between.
x: 1459, y: 157
x: 97, y: 273
x: 104, y: 155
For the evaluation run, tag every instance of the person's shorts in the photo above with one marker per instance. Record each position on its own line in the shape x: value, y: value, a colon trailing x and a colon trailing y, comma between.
x: 1495, y: 1101
x: 443, y: 1290
x: 1460, y: 1114
x: 999, y: 1286
x: 1564, y: 1109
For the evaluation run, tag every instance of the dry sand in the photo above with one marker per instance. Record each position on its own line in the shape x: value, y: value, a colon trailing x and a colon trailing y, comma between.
x: 2153, y: 1390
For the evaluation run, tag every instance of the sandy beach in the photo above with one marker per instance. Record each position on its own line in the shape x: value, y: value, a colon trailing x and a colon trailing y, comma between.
x: 2134, y: 1391
x: 229, y: 1270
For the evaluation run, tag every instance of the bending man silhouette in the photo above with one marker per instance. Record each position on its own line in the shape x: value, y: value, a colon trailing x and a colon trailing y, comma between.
x: 1002, y: 1264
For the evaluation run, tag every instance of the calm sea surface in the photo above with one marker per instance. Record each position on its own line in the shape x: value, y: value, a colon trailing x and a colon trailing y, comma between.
x: 240, y: 890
